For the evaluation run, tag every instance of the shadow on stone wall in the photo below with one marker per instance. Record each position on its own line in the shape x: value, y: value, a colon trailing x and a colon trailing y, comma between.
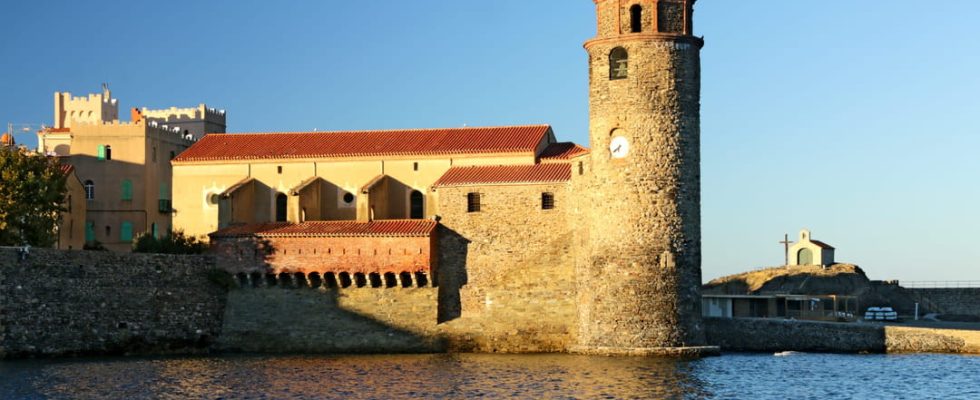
x: 295, y: 318
x: 452, y: 274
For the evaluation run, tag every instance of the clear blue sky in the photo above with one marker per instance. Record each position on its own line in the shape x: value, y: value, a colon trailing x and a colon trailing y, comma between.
x: 856, y: 119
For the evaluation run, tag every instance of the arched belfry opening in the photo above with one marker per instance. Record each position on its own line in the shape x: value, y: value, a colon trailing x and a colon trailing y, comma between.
x: 416, y: 205
x: 281, y: 203
x: 618, y: 64
x: 636, y: 18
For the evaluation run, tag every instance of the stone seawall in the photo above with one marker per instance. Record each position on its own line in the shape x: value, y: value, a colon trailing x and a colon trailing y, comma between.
x: 772, y: 335
x: 961, y: 301
x: 85, y: 302
x: 281, y: 319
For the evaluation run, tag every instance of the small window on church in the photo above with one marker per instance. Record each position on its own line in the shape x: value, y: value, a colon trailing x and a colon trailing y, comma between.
x: 618, y: 64
x: 472, y: 202
x: 108, y: 152
x: 348, y: 198
x: 547, y: 201
x: 415, y: 166
x: 636, y: 18
x: 279, y: 169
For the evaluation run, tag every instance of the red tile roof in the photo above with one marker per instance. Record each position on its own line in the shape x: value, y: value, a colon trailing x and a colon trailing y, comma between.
x: 502, y: 174
x: 67, y: 169
x: 562, y: 152
x: 381, y: 228
x: 254, y: 146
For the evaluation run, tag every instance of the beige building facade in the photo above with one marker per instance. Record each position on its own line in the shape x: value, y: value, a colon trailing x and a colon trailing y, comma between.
x: 124, y: 167
x: 255, y: 178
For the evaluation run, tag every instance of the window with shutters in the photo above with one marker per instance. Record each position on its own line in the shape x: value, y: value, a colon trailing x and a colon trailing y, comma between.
x: 547, y: 201
x: 127, y: 190
x: 473, y: 202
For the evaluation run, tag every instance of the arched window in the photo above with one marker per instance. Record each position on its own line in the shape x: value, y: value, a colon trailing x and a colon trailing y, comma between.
x: 636, y: 18
x: 281, y: 201
x: 417, y: 205
x: 127, y: 189
x: 89, y: 190
x: 618, y: 64
x: 108, y: 152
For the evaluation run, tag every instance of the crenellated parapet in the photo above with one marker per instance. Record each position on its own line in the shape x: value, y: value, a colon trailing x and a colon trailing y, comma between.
x: 96, y: 107
x: 193, y: 121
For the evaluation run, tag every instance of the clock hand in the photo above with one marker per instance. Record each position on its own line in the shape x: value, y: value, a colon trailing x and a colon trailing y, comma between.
x: 616, y: 150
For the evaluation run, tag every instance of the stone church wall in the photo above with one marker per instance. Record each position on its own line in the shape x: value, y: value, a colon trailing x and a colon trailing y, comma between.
x: 505, y: 284
x: 88, y: 302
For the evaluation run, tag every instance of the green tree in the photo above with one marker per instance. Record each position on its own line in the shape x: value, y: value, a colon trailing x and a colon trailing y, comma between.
x: 32, y: 194
x: 174, y: 243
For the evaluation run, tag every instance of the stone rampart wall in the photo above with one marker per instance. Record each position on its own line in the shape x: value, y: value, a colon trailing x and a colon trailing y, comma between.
x: 85, y: 302
x: 962, y: 301
x: 505, y: 280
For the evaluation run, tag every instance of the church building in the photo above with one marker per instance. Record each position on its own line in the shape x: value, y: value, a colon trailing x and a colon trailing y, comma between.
x: 520, y: 241
x: 807, y: 251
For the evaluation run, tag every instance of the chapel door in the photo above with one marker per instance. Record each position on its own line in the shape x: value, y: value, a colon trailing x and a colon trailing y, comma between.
x: 805, y: 257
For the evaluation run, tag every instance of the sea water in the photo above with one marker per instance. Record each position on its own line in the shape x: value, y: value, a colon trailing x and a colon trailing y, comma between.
x: 464, y: 376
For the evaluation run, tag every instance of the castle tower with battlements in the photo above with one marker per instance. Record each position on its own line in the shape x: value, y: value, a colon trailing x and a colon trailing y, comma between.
x: 640, y: 274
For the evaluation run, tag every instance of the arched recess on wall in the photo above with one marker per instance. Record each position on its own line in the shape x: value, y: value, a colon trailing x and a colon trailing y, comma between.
x: 618, y: 64
x: 636, y: 18
x: 281, y: 204
x: 416, y: 201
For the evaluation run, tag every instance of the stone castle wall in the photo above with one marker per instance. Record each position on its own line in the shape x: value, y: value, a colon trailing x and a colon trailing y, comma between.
x: 505, y: 284
x: 84, y: 302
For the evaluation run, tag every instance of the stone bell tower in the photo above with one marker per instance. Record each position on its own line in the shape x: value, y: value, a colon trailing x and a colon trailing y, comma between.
x: 640, y: 274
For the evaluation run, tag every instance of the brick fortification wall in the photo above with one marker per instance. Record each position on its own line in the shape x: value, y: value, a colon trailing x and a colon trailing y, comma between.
x: 84, y: 302
x: 961, y: 301
x: 505, y: 284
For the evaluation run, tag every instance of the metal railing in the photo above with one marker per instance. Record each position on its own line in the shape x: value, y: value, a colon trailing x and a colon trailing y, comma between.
x: 940, y: 284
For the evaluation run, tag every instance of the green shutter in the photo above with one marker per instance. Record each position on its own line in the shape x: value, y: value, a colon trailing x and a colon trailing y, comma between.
x: 126, y: 232
x: 164, y: 192
x: 102, y: 152
x: 153, y: 231
x: 89, y: 232
x: 127, y: 189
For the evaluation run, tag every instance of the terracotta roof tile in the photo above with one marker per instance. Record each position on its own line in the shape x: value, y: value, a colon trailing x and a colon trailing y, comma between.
x: 67, y: 169
x: 558, y: 152
x: 381, y: 228
x: 502, y: 174
x: 254, y: 146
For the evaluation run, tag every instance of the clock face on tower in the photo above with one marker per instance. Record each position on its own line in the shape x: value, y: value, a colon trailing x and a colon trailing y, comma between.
x: 619, y: 147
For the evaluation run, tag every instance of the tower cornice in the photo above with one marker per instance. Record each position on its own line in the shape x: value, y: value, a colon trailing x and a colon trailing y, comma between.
x: 641, y: 37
